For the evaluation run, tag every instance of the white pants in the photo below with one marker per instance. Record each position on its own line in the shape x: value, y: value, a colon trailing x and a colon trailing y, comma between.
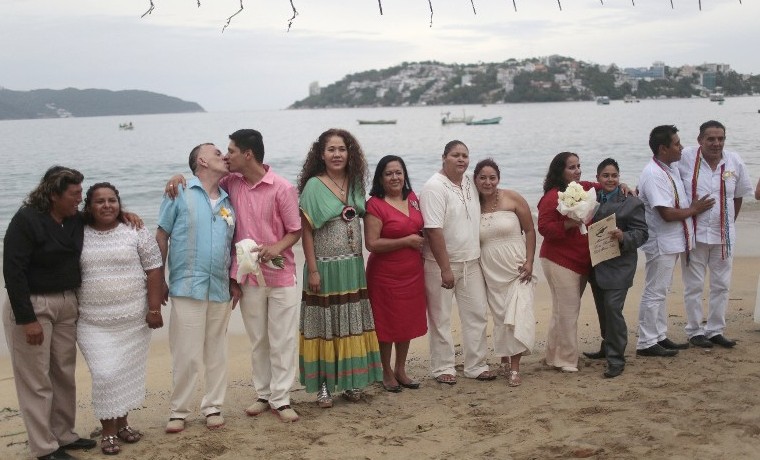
x: 653, y: 311
x: 701, y: 258
x: 270, y: 316
x: 198, y: 338
x: 470, y: 292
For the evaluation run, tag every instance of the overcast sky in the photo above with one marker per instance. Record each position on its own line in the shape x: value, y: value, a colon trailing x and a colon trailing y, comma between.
x: 255, y: 64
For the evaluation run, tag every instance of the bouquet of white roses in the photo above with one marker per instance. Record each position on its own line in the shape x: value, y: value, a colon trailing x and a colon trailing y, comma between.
x: 248, y: 261
x: 577, y: 204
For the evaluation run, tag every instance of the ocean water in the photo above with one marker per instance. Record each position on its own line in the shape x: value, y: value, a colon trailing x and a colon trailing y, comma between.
x: 139, y: 162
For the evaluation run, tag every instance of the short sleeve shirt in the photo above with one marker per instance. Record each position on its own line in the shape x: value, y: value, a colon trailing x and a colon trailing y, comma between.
x: 658, y: 186
x: 455, y: 210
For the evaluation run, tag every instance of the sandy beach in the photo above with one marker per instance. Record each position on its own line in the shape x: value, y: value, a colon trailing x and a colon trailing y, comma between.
x: 703, y: 403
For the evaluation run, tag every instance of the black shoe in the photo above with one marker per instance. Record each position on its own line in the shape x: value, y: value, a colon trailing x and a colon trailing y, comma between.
x: 81, y: 443
x: 595, y: 355
x: 722, y: 341
x: 59, y: 454
x: 700, y: 341
x: 656, y: 350
x: 613, y: 370
x: 671, y: 345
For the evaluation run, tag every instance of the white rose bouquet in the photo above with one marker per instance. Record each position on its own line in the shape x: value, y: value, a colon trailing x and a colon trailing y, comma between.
x: 248, y: 261
x: 577, y: 204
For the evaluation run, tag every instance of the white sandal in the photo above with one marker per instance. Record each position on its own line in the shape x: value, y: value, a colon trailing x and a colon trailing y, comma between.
x: 514, y: 379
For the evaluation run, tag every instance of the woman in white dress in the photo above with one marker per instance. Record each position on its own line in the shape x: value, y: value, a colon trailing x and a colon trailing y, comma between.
x: 507, y: 248
x: 119, y: 302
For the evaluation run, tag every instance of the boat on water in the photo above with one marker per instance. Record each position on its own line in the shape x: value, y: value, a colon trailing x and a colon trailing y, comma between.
x: 603, y: 100
x: 447, y: 119
x: 717, y: 97
x: 485, y: 121
x: 377, y: 122
x: 126, y: 126
x: 628, y: 99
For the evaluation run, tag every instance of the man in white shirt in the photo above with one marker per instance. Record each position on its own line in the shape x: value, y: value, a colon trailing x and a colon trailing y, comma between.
x: 709, y: 170
x: 668, y: 214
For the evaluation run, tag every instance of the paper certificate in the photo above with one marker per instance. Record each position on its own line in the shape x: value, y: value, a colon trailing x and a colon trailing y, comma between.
x: 601, y: 244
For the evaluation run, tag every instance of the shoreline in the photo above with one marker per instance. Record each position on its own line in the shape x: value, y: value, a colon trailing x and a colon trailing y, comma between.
x: 695, y: 404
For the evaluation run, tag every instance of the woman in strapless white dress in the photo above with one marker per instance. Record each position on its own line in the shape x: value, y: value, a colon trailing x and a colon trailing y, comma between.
x: 507, y: 248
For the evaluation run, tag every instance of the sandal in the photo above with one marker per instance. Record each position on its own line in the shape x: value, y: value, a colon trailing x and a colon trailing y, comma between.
x: 485, y: 376
x: 514, y: 379
x: 128, y: 435
x: 324, y: 398
x: 109, y: 445
x: 447, y: 379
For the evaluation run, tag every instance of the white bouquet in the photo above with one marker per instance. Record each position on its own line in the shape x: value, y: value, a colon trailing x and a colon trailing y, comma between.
x: 248, y: 261
x: 577, y: 204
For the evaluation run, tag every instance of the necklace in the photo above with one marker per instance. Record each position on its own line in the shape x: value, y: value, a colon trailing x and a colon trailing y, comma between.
x: 496, y: 202
x: 342, y: 190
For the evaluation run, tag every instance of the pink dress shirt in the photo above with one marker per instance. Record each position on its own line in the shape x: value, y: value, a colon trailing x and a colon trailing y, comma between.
x: 265, y: 212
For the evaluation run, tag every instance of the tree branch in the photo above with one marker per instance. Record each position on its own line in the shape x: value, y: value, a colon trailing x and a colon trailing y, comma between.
x: 380, y: 5
x: 430, y: 3
x: 560, y: 5
x: 150, y: 10
x: 472, y: 2
x: 295, y: 13
x: 229, y: 19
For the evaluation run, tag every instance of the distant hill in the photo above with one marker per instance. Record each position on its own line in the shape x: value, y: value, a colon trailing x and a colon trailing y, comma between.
x: 72, y: 102
x: 546, y: 79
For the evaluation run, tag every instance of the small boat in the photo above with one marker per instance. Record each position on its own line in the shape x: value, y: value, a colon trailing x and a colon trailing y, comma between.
x: 717, y: 97
x: 377, y: 122
x: 485, y: 121
x: 448, y: 119
x: 603, y: 100
x: 126, y: 126
x: 630, y: 99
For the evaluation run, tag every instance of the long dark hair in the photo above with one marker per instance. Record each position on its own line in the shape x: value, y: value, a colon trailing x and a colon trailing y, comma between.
x: 356, y: 166
x: 55, y: 181
x: 555, y: 177
x: 87, y: 213
x: 377, y: 181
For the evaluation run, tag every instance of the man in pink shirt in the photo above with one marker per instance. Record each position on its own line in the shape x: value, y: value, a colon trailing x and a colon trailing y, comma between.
x: 266, y: 207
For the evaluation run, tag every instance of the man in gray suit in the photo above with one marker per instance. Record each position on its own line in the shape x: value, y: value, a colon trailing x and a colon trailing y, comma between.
x: 611, y: 279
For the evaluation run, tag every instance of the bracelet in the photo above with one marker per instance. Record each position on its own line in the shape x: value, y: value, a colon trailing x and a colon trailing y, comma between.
x: 154, y: 312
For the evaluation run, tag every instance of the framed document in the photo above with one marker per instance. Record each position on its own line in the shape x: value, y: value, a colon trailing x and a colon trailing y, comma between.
x: 601, y: 244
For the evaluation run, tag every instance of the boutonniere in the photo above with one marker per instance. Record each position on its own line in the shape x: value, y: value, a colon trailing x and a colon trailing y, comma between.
x: 227, y: 216
x: 728, y: 175
x: 415, y: 205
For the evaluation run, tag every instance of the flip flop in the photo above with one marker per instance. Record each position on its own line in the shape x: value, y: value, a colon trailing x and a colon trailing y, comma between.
x: 412, y: 385
x: 451, y: 380
x: 392, y: 388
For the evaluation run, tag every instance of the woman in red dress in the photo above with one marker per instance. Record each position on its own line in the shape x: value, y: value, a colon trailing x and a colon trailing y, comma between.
x: 395, y: 278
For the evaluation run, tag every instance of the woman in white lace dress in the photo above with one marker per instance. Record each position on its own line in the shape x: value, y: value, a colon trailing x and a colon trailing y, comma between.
x: 507, y: 248
x: 119, y: 302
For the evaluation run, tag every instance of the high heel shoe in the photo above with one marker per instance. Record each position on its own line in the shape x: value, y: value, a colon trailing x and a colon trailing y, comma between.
x: 324, y: 398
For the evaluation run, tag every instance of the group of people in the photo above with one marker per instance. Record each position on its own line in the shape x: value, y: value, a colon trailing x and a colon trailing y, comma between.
x: 97, y: 278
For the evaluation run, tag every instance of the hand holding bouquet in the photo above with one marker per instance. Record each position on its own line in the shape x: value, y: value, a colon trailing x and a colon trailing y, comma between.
x: 247, y: 252
x: 577, y: 204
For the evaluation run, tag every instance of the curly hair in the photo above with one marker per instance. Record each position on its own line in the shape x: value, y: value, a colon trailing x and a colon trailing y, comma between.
x: 356, y: 166
x: 555, y: 176
x: 87, y: 213
x: 55, y: 181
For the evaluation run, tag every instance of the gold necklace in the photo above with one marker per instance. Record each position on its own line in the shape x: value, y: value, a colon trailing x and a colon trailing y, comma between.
x: 496, y: 202
x: 342, y: 190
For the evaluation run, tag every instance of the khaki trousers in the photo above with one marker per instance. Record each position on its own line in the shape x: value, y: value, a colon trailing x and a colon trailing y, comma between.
x: 567, y: 288
x: 198, y: 339
x: 270, y: 316
x: 44, y: 374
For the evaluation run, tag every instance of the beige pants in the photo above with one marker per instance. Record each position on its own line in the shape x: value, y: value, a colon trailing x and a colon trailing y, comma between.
x: 567, y: 288
x: 270, y: 316
x: 198, y: 339
x: 44, y: 374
